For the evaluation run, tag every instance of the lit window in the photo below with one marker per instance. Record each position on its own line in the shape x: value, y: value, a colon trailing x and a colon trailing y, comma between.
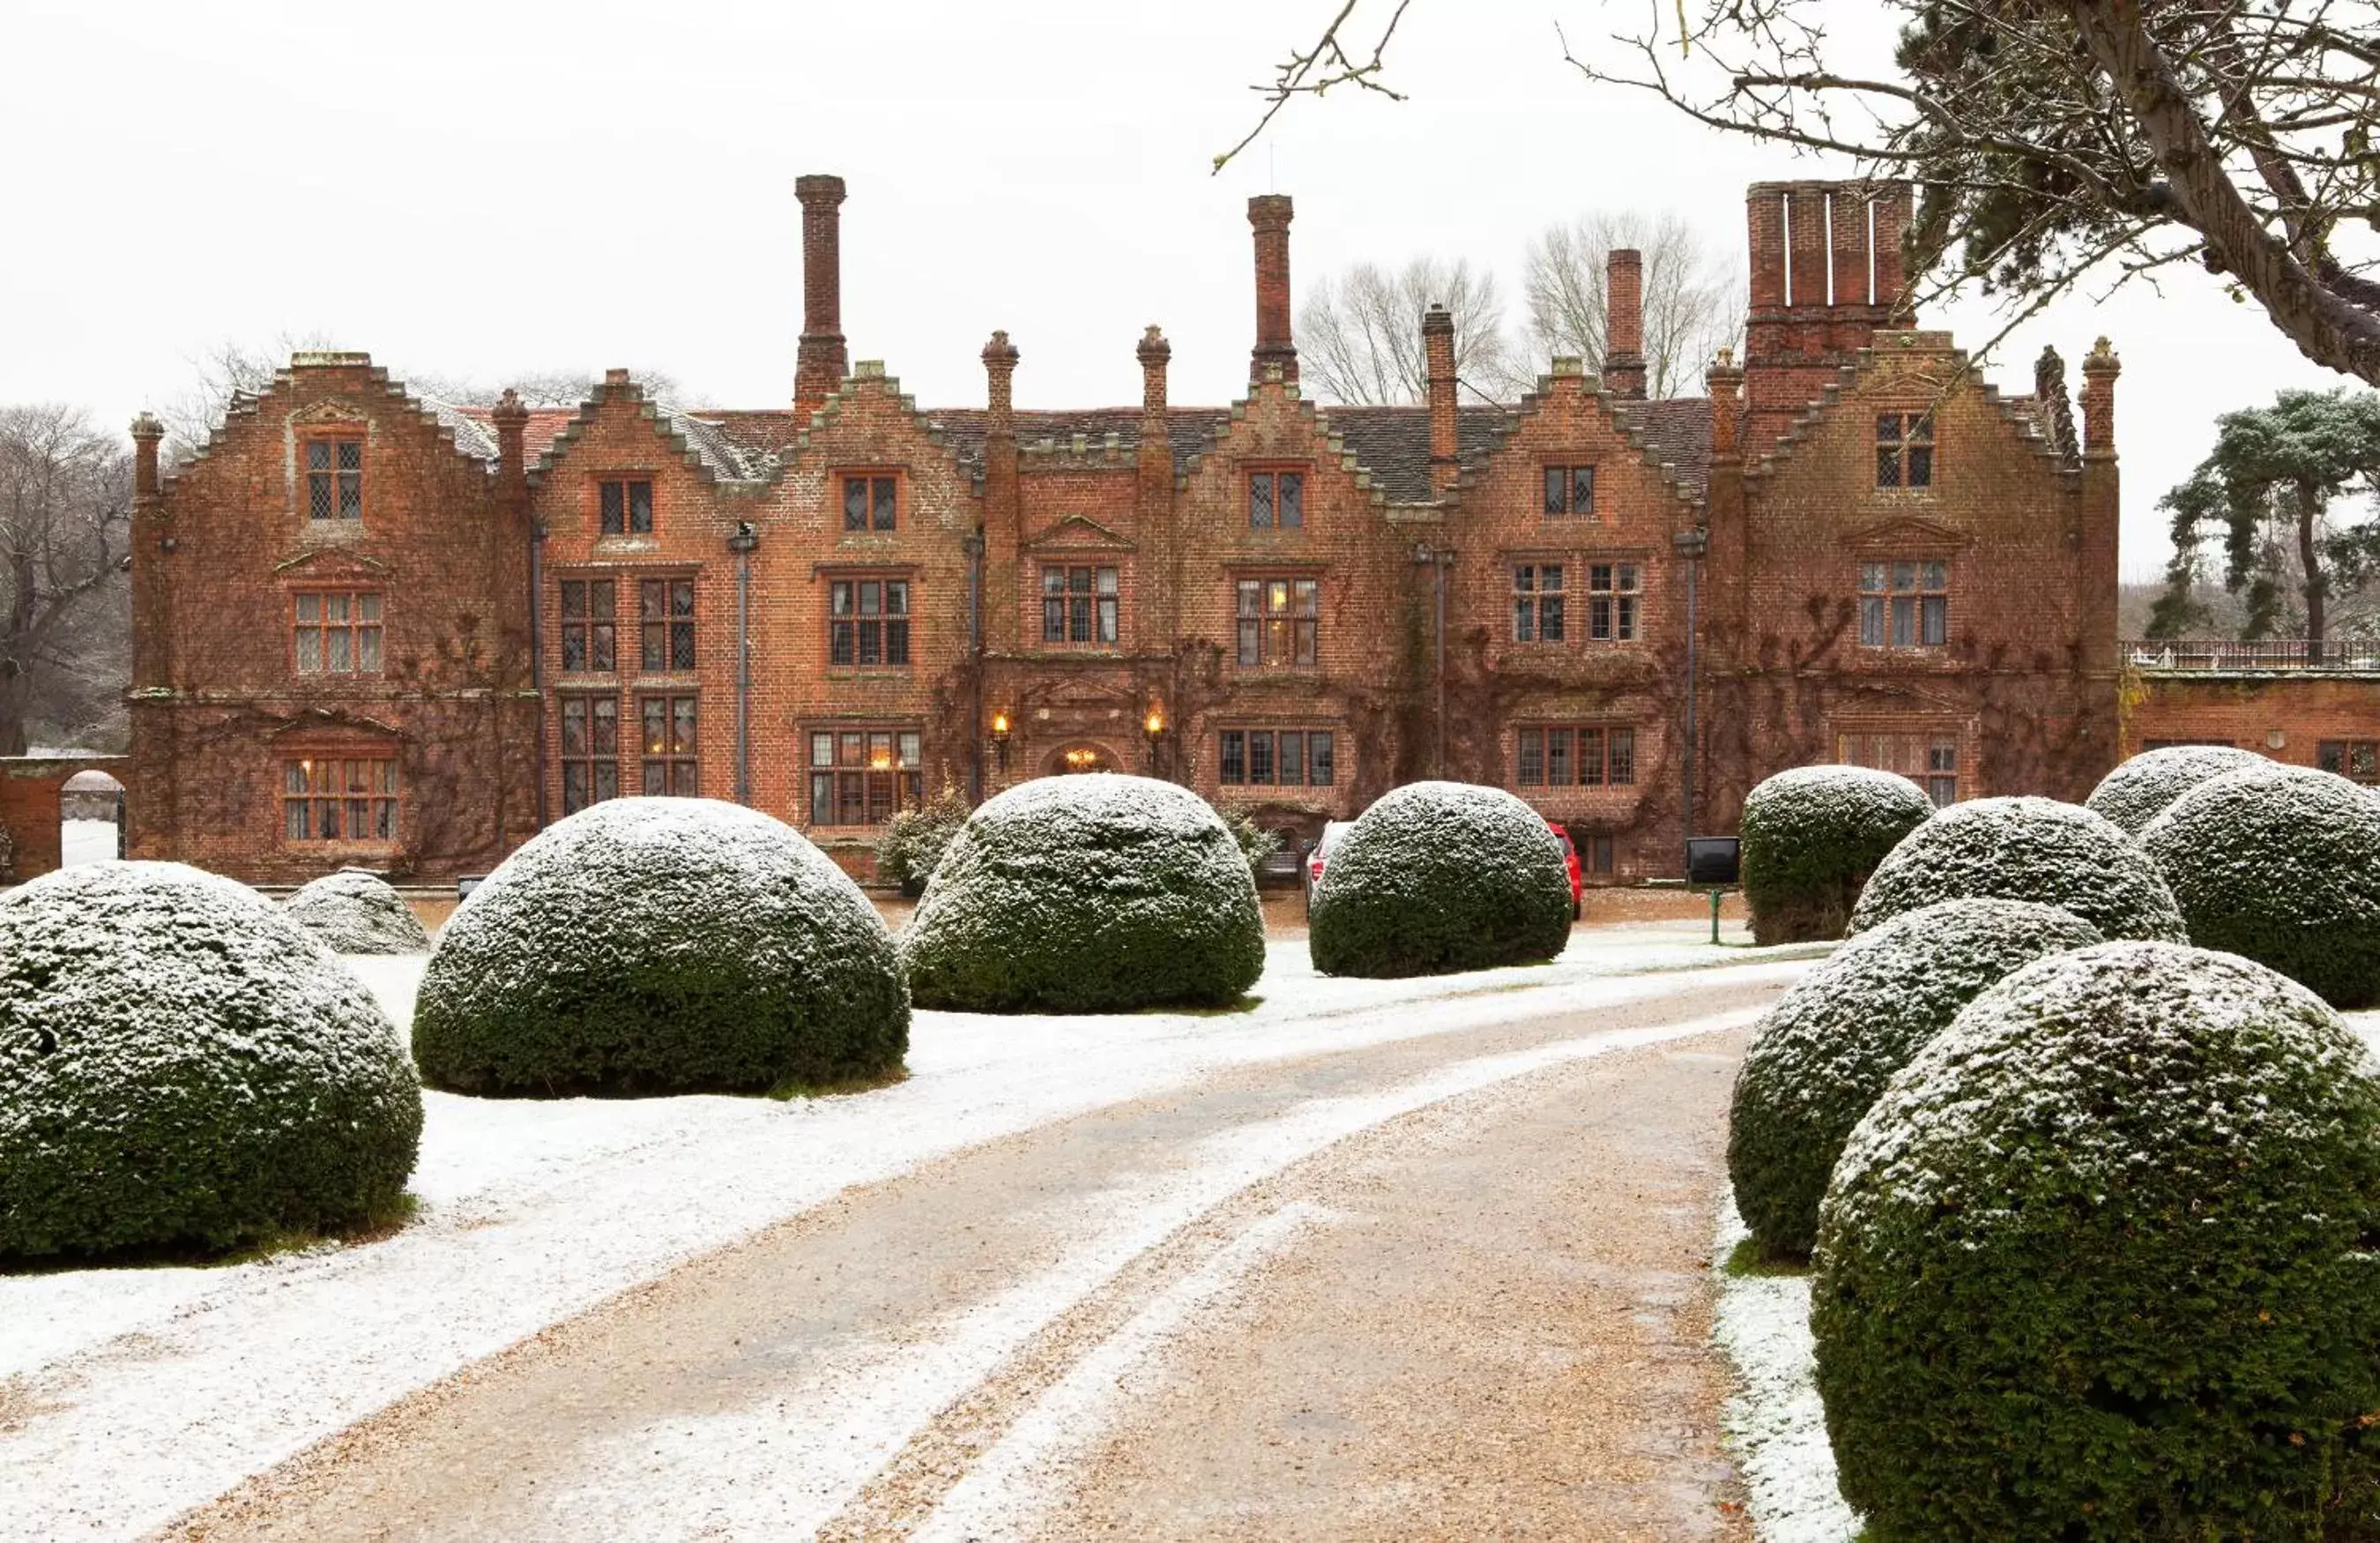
x: 337, y: 631
x: 334, y: 479
x: 864, y: 776
x: 1904, y: 450
x: 339, y: 798
x: 669, y: 759
x: 1538, y: 603
x: 1570, y: 491
x: 1279, y: 619
x: 627, y: 506
x: 1904, y: 605
x: 1276, y: 500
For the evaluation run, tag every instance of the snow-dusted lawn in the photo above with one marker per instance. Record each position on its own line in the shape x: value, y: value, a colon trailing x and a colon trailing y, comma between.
x: 1774, y: 1422
x: 136, y: 1393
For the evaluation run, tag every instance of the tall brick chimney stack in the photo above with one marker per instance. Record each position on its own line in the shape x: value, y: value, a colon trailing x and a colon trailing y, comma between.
x: 1623, y: 323
x: 512, y: 430
x: 1438, y: 355
x: 822, y: 362
x: 1269, y: 213
x: 2100, y: 368
x: 146, y: 432
x: 1000, y: 357
x: 1154, y: 354
x: 1827, y: 274
x: 152, y: 628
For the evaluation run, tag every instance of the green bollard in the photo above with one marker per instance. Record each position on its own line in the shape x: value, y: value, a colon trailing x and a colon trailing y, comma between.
x: 1714, y: 894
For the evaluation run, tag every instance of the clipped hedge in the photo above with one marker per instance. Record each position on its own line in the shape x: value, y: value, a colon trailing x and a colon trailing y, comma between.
x: 662, y: 945
x: 354, y: 912
x: 2139, y: 790
x: 1436, y: 878
x: 1826, y: 1051
x: 181, y: 1065
x: 2281, y: 864
x: 1097, y: 892
x: 2097, y: 1264
x: 2025, y: 848
x: 1811, y: 837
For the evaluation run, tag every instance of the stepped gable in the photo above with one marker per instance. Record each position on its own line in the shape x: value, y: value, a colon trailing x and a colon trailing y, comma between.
x: 1676, y: 435
x: 706, y: 446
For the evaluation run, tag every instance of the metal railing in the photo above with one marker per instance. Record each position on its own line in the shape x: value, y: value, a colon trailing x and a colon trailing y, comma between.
x: 2267, y: 654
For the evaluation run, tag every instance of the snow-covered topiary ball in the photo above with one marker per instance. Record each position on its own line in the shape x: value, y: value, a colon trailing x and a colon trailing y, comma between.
x: 183, y: 1066
x: 662, y: 945
x: 1437, y: 878
x: 2099, y: 1263
x: 2139, y: 790
x: 1826, y: 1051
x: 2281, y: 863
x: 1097, y: 893
x: 2025, y: 848
x: 355, y: 911
x: 1811, y: 837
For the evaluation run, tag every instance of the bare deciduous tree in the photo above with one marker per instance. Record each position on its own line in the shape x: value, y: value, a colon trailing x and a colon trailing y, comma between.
x: 1359, y: 334
x: 1694, y: 299
x: 2057, y: 140
x: 65, y: 493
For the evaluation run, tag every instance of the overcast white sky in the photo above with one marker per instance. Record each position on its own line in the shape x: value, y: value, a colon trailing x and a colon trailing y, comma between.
x: 506, y: 186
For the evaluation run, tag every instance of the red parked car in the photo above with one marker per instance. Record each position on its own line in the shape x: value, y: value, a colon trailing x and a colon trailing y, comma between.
x: 1570, y: 861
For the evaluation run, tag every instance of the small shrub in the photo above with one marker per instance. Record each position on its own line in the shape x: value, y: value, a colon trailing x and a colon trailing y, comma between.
x: 2027, y: 849
x: 2097, y: 1264
x: 1255, y: 844
x: 357, y: 912
x: 2281, y: 864
x: 662, y: 945
x: 1811, y: 837
x: 2139, y: 790
x: 181, y: 1065
x: 1091, y: 894
x: 1827, y: 1049
x: 1437, y: 878
x: 914, y: 840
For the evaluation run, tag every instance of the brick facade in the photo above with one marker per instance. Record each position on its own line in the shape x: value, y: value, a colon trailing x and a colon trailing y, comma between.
x: 1263, y: 581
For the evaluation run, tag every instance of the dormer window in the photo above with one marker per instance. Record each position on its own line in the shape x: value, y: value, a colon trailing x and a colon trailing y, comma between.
x: 334, y: 479
x: 627, y: 504
x: 1276, y: 500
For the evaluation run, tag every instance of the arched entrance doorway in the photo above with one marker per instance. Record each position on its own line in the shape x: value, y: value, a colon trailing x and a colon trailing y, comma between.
x: 91, y: 818
x: 1084, y: 756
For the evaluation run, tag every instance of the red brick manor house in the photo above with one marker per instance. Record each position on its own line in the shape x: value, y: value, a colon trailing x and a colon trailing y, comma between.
x: 373, y: 629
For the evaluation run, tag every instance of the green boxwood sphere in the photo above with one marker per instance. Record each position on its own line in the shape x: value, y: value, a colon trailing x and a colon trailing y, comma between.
x: 2025, y: 848
x: 1436, y: 878
x: 662, y: 945
x: 183, y: 1066
x: 2281, y: 863
x: 2139, y: 790
x: 1097, y: 893
x: 1811, y: 837
x: 357, y: 912
x: 2099, y: 1264
x: 1826, y: 1051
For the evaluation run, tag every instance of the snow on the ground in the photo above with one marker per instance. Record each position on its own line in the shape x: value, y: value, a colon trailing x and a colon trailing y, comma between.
x: 159, y: 1388
x: 85, y: 841
x: 1775, y: 1425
